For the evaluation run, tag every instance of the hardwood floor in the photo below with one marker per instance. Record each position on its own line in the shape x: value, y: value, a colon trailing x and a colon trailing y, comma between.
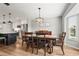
x: 18, y: 50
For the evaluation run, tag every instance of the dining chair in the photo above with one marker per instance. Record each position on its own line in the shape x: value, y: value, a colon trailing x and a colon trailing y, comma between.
x: 60, y: 41
x: 28, y: 38
x: 42, y: 42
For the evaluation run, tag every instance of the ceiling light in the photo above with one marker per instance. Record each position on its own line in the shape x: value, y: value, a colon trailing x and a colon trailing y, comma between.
x: 39, y: 19
x: 4, y: 19
x: 9, y: 18
x: 7, y: 4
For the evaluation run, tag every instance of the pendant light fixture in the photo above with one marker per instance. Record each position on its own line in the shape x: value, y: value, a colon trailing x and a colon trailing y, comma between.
x: 9, y: 18
x: 39, y: 19
x: 4, y: 19
x: 7, y: 4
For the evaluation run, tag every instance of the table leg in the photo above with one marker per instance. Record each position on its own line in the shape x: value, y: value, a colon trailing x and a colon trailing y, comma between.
x: 50, y: 46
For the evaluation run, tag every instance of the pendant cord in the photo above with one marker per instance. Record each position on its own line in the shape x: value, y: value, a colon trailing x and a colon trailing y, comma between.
x: 10, y: 18
x: 9, y: 15
x: 39, y: 11
x: 3, y: 17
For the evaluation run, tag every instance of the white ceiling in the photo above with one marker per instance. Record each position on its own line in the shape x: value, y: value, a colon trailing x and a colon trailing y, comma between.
x: 30, y: 10
x: 74, y: 10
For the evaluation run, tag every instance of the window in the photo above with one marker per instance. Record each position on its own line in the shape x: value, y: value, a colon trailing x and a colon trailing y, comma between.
x: 72, y: 27
x: 72, y: 30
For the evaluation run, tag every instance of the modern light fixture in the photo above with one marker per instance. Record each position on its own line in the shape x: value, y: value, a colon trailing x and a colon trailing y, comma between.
x: 4, y: 19
x: 9, y: 18
x: 7, y: 4
x: 39, y: 19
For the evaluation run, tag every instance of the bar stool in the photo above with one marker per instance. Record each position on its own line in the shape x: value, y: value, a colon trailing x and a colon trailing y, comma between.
x: 3, y: 38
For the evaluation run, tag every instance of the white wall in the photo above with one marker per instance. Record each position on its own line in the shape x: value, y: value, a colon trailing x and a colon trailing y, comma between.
x: 9, y: 27
x: 54, y: 25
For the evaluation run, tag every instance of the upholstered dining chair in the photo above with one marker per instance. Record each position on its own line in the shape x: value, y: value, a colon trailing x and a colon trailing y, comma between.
x: 42, y: 42
x: 31, y: 40
x: 25, y: 37
x: 60, y: 41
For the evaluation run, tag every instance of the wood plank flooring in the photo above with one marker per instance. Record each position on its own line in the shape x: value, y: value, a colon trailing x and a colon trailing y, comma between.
x: 17, y: 50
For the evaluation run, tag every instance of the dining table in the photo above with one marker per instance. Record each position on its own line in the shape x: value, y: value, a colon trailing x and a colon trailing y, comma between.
x: 49, y: 38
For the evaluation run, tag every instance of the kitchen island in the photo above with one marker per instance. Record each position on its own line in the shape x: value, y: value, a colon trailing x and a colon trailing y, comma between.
x: 11, y: 37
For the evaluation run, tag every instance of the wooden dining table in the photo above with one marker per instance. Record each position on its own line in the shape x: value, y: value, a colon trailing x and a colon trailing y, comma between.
x: 49, y: 38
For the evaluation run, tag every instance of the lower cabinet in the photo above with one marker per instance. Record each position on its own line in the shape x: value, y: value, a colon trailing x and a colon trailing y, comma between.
x: 10, y: 37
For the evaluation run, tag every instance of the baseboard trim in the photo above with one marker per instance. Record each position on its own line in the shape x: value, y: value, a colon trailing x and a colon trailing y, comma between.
x: 71, y: 46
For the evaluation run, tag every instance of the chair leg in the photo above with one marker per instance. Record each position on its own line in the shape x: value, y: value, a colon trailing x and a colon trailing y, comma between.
x: 27, y: 45
x: 37, y: 49
x: 32, y: 45
x: 22, y: 43
x: 45, y: 51
x: 32, y: 48
x: 52, y: 48
x: 62, y: 49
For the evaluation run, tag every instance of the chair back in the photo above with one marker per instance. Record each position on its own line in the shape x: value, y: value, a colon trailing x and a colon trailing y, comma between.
x: 43, y: 33
x: 42, y: 42
x: 26, y: 34
x: 62, y: 37
x: 63, y: 34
